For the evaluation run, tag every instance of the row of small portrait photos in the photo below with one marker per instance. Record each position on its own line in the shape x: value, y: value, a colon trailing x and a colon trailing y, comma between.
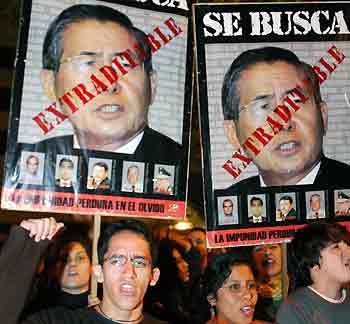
x: 101, y: 174
x: 282, y: 207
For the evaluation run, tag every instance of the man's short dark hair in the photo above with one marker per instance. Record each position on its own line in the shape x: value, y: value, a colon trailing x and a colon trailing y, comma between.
x: 227, y: 200
x: 102, y: 165
x: 286, y: 197
x: 304, y: 252
x: 63, y: 160
x: 256, y: 199
x: 131, y: 225
x: 315, y: 195
x: 230, y: 94
x: 53, y: 42
x: 219, y: 269
x: 32, y: 156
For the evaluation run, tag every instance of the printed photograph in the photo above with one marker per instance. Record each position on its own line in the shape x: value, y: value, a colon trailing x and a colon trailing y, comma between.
x: 133, y: 176
x: 228, y: 210
x: 315, y: 204
x: 286, y: 206
x: 257, y: 208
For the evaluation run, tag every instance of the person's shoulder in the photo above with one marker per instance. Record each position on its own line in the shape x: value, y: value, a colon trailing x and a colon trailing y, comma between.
x: 333, y: 172
x: 150, y: 133
x: 248, y: 184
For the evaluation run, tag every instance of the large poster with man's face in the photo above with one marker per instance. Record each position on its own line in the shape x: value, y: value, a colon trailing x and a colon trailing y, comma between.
x: 273, y: 84
x: 100, y: 108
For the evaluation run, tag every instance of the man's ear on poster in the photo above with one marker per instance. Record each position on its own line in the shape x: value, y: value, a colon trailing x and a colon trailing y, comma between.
x: 324, y: 116
x: 230, y: 129
x: 153, y: 79
x: 47, y: 78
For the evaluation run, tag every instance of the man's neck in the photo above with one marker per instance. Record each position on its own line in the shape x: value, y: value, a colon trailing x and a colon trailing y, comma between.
x: 286, y: 179
x: 113, y: 312
x: 328, y: 289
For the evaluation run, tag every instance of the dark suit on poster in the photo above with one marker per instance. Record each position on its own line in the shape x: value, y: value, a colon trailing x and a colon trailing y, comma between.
x: 332, y: 173
x: 292, y: 215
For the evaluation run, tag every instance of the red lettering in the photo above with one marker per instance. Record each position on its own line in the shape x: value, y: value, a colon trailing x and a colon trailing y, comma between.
x: 109, y: 73
x: 84, y: 95
x: 337, y: 54
x: 262, y: 136
x: 153, y: 43
x: 119, y: 66
x: 291, y: 103
x: 43, y: 123
x: 164, y: 38
x: 60, y: 116
x: 283, y: 112
x: 232, y: 169
x: 299, y: 92
x: 238, y: 155
x: 330, y: 68
x: 66, y: 98
x: 128, y: 56
x: 249, y: 144
x: 170, y: 23
x: 275, y: 125
x: 98, y: 84
x: 321, y: 75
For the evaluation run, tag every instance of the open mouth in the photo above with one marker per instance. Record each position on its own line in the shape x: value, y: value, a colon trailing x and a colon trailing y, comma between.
x: 247, y: 310
x: 287, y: 148
x: 268, y: 262
x: 127, y: 289
x: 109, y: 111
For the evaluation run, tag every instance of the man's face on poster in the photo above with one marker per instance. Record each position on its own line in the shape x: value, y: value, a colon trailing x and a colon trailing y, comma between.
x: 133, y: 175
x: 256, y: 207
x: 285, y: 206
x: 227, y: 207
x: 298, y: 146
x: 32, y: 165
x: 66, y: 170
x: 99, y: 173
x: 315, y: 203
x: 117, y: 115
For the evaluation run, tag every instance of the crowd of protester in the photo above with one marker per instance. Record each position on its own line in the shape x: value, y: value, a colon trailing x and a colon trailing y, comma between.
x: 45, y: 271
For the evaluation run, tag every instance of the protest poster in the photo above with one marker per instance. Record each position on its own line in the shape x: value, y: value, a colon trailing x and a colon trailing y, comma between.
x: 100, y: 109
x: 273, y: 93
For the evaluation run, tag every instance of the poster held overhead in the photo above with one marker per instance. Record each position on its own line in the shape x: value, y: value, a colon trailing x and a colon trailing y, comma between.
x: 99, y: 83
x: 272, y: 90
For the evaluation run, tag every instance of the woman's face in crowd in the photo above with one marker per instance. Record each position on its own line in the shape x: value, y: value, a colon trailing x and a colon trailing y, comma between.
x: 236, y: 299
x: 76, y: 270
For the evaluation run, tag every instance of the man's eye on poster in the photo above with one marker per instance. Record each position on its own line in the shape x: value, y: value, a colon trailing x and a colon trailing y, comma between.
x: 101, y: 103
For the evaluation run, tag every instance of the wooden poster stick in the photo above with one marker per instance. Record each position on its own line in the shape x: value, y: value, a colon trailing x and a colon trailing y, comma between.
x: 97, y: 229
x: 285, y: 279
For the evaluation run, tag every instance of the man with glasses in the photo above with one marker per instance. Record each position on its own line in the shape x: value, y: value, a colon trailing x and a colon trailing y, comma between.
x: 84, y: 45
x: 257, y: 82
x: 127, y: 257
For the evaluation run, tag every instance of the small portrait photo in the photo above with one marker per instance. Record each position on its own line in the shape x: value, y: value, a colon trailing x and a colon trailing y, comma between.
x: 133, y: 176
x: 286, y: 207
x: 99, y: 174
x: 164, y: 177
x: 342, y: 202
x: 32, y: 168
x: 228, y: 210
x: 315, y: 204
x: 257, y: 208
x: 66, y: 171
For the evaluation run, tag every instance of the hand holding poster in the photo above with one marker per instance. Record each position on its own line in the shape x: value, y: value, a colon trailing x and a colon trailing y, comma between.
x: 103, y: 96
x: 273, y: 102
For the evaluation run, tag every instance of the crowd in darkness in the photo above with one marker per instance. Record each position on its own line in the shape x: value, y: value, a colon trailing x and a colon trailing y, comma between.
x: 169, y: 276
